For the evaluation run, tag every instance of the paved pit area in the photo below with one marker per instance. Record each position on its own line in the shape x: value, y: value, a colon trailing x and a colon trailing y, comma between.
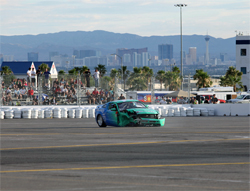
x: 196, y: 153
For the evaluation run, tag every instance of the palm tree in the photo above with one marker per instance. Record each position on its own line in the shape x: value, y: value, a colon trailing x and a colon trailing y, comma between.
x: 74, y: 71
x: 148, y: 73
x: 137, y: 80
x: 102, y: 69
x: 6, y: 70
x: 83, y: 69
x: 61, y: 72
x: 176, y: 69
x: 203, y: 78
x: 113, y: 74
x: 43, y: 66
x: 106, y: 82
x: 160, y: 76
x: 232, y: 78
x: 125, y: 73
x: 173, y: 80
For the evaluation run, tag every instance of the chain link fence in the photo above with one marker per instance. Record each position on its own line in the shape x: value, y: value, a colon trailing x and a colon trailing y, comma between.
x: 66, y: 89
x: 83, y: 89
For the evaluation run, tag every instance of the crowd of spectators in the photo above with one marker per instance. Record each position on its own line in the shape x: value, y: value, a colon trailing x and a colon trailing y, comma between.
x: 193, y: 100
x: 102, y: 96
x: 18, y: 90
x: 55, y: 90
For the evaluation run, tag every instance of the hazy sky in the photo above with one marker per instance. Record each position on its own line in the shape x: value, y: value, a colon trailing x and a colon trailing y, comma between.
x: 221, y: 18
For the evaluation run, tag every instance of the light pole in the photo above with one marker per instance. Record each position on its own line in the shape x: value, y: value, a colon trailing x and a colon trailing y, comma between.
x: 181, y: 5
x: 121, y: 68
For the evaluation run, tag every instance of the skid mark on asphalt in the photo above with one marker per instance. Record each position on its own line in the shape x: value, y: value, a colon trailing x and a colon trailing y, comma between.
x: 120, y: 144
x: 124, y: 167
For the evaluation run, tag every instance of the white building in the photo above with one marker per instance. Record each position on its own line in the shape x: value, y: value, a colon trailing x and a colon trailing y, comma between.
x: 243, y: 59
x: 145, y: 58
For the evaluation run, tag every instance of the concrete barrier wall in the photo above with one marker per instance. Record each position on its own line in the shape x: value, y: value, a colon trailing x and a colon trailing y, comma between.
x: 227, y: 109
x: 219, y: 109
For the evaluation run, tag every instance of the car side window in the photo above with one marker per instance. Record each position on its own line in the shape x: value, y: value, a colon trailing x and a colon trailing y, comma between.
x: 112, y: 106
x: 247, y: 97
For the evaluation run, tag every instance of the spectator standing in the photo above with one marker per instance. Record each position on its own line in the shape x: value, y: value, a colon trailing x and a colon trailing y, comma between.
x: 206, y: 101
x: 196, y: 101
x: 87, y: 76
x: 38, y: 74
x: 181, y: 101
x: 46, y: 77
x: 168, y: 100
x: 163, y: 101
x: 121, y: 97
x: 28, y: 76
x: 214, y: 99
x: 192, y: 100
x: 96, y: 77
x: 33, y: 76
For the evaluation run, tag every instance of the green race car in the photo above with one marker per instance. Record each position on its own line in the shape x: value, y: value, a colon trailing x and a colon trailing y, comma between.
x: 127, y: 113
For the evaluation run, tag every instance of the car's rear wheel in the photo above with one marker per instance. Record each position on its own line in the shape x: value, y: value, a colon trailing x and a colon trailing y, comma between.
x: 100, y: 121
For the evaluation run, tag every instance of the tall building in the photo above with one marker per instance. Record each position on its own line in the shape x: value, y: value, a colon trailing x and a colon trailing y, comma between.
x: 165, y: 51
x: 122, y: 51
x: 223, y: 57
x: 242, y: 59
x: 207, y: 52
x: 87, y: 53
x: 191, y: 58
x: 145, y: 58
x: 33, y: 56
x: 126, y: 58
x: 76, y: 53
x: 51, y: 54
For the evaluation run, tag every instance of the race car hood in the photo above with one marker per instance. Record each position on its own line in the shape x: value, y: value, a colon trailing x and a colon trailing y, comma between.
x: 143, y: 111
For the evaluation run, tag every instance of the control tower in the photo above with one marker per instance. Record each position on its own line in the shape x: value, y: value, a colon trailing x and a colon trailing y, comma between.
x: 207, y: 53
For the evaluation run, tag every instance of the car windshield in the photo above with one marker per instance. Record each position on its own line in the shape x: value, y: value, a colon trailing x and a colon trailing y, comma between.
x: 240, y: 97
x: 130, y: 105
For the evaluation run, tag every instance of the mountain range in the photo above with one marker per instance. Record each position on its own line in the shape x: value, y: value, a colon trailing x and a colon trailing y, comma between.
x: 107, y: 43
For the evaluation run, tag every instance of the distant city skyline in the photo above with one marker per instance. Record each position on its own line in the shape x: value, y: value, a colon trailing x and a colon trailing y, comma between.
x: 219, y: 18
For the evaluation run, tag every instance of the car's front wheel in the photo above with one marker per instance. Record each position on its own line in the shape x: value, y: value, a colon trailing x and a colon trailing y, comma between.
x: 100, y: 121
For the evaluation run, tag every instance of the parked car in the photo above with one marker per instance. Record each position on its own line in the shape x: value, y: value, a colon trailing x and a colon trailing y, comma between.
x: 245, y: 98
x: 127, y: 113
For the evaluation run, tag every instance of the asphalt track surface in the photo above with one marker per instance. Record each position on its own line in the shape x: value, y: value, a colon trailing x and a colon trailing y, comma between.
x: 196, y: 153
